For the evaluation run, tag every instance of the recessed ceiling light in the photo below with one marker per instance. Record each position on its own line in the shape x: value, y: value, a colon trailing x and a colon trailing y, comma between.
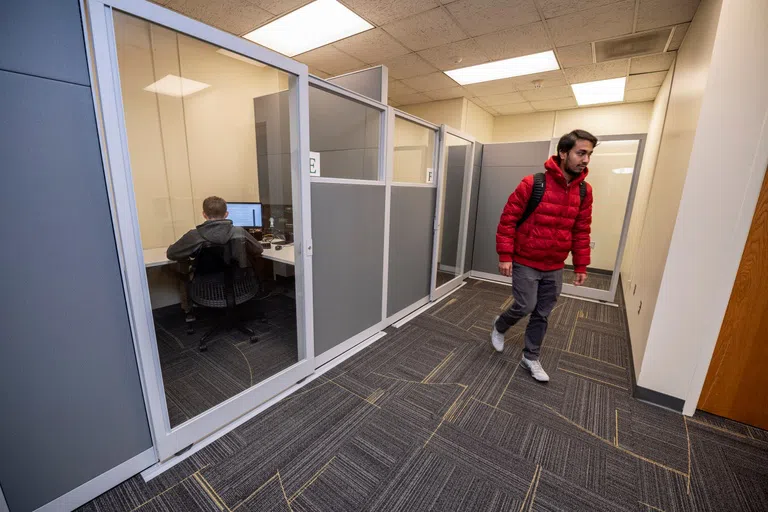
x: 623, y: 170
x: 314, y: 25
x: 602, y: 91
x: 519, y: 66
x: 241, y: 58
x: 172, y: 85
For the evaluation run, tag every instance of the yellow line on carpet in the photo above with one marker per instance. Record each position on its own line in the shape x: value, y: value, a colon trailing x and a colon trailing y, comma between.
x: 446, y: 415
x: 419, y: 382
x: 358, y: 396
x: 508, y: 383
x: 311, y: 480
x: 254, y: 493
x: 721, y: 429
x: 595, y: 359
x: 616, y: 438
x: 688, y: 437
x: 535, y: 488
x: 438, y: 367
x: 535, y: 474
x: 506, y: 304
x: 650, y: 506
x: 448, y: 303
x: 250, y: 370
x: 170, y: 488
x: 573, y: 330
x: 280, y: 481
x: 210, y: 492
x: 592, y: 378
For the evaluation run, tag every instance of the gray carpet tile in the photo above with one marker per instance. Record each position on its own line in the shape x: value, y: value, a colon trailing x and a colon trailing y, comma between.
x: 430, y: 417
x: 594, y: 280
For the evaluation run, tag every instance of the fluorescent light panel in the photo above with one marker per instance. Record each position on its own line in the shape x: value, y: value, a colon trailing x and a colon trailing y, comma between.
x: 602, y: 91
x: 172, y: 85
x: 508, y: 68
x: 314, y: 25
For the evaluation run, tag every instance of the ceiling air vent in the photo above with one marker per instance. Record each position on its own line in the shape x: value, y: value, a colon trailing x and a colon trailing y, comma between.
x: 632, y: 46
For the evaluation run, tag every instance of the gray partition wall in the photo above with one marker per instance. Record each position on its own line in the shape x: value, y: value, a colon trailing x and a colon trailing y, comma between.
x: 474, y: 195
x: 368, y: 82
x: 348, y: 255
x: 454, y: 188
x: 410, y: 246
x: 504, y: 166
x: 273, y: 148
x: 72, y: 406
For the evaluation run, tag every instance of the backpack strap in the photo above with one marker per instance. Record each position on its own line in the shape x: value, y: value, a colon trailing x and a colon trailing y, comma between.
x: 583, y: 190
x: 539, y: 186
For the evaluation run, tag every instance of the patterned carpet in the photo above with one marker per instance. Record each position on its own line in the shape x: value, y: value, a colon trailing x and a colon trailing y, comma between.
x: 196, y: 381
x: 430, y: 418
x: 594, y: 280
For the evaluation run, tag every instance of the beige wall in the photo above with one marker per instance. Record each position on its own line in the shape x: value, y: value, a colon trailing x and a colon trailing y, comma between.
x: 185, y: 149
x: 687, y: 92
x: 727, y: 166
x: 478, y: 123
x: 450, y: 112
x: 609, y: 120
x: 644, y: 186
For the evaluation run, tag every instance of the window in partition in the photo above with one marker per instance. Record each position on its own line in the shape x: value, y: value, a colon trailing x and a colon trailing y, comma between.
x: 346, y: 134
x: 414, y: 152
x: 202, y: 121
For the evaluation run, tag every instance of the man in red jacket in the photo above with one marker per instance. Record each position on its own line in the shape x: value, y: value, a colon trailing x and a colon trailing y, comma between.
x: 533, y: 253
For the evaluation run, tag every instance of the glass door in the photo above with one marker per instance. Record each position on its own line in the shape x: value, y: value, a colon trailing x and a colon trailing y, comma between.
x: 207, y: 142
x: 454, y: 185
x: 613, y: 174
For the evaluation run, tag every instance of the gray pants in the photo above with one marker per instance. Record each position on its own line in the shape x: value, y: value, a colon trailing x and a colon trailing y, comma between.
x: 535, y: 294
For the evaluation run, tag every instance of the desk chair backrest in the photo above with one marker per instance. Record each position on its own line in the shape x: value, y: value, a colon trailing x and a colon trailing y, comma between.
x: 218, y: 279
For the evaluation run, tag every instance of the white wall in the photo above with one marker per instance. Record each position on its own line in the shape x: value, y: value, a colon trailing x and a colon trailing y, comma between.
x: 608, y: 120
x: 727, y: 167
x: 686, y: 96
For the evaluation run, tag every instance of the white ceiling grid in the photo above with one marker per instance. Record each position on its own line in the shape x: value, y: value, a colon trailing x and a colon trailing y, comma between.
x: 418, y: 39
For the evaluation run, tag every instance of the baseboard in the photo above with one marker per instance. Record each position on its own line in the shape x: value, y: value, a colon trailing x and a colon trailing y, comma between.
x: 102, y: 483
x: 660, y: 399
x: 493, y: 278
x: 339, y: 349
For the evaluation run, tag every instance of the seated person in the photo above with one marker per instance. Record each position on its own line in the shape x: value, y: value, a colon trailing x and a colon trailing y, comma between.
x: 216, y: 229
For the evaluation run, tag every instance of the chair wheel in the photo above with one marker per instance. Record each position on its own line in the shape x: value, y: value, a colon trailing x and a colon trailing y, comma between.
x: 254, y: 339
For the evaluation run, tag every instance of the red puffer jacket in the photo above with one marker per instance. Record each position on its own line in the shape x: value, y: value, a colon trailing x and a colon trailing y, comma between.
x: 559, y: 225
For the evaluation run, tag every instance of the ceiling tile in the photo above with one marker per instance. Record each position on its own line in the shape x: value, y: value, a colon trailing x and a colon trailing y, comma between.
x: 431, y: 82
x: 558, y: 104
x: 502, y: 99
x: 651, y: 63
x: 426, y: 30
x: 555, y: 8
x: 408, y: 66
x: 278, y: 7
x: 576, y: 55
x: 648, y: 94
x: 516, y: 108
x: 519, y: 41
x: 480, y: 17
x: 235, y: 16
x: 410, y: 99
x: 381, y: 12
x: 600, y: 71
x: 493, y: 87
x: 491, y: 111
x: 397, y: 87
x: 551, y: 93
x: 678, y: 36
x: 393, y: 102
x: 593, y: 24
x: 449, y: 93
x: 372, y: 46
x: 646, y: 80
x: 318, y: 73
x: 547, y: 79
x: 444, y: 57
x: 331, y: 60
x: 662, y: 13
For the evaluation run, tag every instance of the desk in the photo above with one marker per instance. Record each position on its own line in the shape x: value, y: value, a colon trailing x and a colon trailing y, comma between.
x: 157, y: 258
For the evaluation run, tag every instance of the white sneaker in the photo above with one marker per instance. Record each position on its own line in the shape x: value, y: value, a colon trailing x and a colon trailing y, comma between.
x: 536, y: 370
x: 497, y: 338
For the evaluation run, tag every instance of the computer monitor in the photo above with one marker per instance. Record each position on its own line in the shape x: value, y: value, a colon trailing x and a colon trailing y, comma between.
x: 246, y: 215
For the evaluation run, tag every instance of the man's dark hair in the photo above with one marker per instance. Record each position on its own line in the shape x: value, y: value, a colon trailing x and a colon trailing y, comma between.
x: 214, y: 207
x: 568, y: 140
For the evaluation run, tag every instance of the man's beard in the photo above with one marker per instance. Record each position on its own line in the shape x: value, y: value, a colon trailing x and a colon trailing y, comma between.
x: 571, y: 172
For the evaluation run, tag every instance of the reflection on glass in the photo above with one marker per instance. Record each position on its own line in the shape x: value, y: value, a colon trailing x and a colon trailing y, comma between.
x: 610, y: 174
x: 202, y: 122
x: 452, y: 181
x: 346, y: 135
x: 414, y: 153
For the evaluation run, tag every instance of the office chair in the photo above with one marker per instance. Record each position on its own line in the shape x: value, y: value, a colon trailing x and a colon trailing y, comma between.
x: 218, y: 282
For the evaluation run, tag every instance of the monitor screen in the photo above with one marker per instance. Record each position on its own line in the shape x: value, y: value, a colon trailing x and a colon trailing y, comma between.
x: 247, y: 215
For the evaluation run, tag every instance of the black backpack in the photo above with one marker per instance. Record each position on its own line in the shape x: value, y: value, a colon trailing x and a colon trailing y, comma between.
x: 539, y: 185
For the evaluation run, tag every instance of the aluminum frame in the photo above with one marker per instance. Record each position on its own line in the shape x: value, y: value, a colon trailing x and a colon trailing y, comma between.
x: 438, y: 291
x: 167, y: 440
x: 610, y: 294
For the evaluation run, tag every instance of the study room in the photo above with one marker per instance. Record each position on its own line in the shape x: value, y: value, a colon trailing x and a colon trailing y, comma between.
x: 196, y: 129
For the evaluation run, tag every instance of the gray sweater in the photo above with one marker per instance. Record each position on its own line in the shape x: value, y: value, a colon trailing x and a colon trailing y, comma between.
x: 215, y: 232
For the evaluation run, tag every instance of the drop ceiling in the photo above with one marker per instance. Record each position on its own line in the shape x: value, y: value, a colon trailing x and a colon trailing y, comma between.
x: 418, y: 39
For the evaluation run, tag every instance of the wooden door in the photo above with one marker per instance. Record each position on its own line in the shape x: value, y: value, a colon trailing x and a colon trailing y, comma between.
x: 737, y: 381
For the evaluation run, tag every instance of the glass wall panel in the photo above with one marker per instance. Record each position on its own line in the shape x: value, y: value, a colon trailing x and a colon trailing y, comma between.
x: 414, y: 152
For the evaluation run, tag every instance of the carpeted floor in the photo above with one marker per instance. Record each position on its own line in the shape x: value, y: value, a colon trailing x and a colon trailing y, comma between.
x: 594, y: 280
x: 196, y: 381
x: 431, y: 418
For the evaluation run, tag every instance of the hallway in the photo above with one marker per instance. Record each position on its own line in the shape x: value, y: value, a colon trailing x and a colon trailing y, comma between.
x: 430, y: 418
